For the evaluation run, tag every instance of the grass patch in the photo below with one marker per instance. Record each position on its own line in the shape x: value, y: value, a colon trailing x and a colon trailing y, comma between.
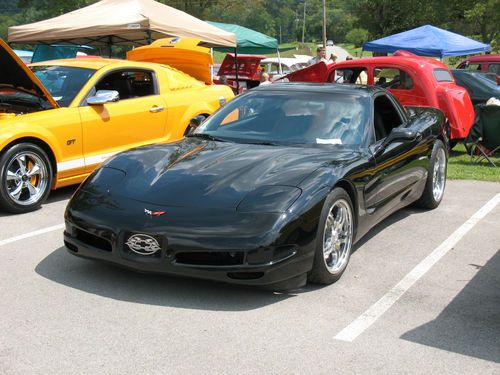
x: 460, y: 167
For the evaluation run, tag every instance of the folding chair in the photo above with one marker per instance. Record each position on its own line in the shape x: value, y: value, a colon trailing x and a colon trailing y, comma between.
x: 484, y: 136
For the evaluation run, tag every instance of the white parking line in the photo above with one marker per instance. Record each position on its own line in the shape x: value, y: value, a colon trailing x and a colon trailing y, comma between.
x: 369, y: 317
x: 31, y: 234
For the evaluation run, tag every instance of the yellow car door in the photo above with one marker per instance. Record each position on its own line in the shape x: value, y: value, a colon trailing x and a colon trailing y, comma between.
x: 138, y: 118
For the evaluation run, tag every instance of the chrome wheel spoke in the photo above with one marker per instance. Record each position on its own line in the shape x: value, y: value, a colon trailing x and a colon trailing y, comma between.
x: 35, y: 170
x: 327, y: 253
x: 337, y: 225
x: 11, y: 176
x: 21, y: 160
x: 16, y: 193
x: 33, y: 189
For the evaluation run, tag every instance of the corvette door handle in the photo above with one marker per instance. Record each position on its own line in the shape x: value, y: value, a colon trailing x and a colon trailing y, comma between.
x: 156, y: 108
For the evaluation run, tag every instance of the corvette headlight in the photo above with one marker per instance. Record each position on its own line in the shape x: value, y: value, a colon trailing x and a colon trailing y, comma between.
x: 269, y: 199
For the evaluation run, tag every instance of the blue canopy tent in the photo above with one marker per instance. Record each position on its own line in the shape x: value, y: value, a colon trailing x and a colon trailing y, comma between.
x: 428, y: 40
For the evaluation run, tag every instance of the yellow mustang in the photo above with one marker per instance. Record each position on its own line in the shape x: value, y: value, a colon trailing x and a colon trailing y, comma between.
x: 61, y: 119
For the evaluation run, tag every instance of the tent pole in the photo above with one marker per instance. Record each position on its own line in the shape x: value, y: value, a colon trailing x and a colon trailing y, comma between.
x: 279, y: 62
x: 109, y: 45
x: 212, y: 65
x: 237, y: 68
x: 150, y: 40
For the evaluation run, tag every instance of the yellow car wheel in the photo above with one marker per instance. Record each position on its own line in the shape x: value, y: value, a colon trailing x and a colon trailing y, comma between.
x: 25, y: 178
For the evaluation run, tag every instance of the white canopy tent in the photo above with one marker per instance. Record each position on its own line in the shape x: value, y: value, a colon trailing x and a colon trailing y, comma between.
x: 121, y: 22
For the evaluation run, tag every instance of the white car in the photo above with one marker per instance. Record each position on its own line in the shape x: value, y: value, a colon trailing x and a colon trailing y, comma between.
x: 272, y: 66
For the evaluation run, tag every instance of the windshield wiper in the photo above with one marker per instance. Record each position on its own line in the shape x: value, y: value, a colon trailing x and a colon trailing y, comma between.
x: 210, y: 137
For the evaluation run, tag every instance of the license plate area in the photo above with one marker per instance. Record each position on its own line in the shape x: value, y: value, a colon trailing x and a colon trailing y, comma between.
x: 143, y: 246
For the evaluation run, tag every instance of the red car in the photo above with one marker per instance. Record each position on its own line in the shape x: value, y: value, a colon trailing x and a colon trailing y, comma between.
x: 483, y: 63
x: 413, y: 80
x: 248, y: 70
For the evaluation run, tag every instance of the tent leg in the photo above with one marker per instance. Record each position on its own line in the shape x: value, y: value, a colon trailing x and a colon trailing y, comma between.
x: 237, y: 68
x: 212, y: 65
x: 280, y: 68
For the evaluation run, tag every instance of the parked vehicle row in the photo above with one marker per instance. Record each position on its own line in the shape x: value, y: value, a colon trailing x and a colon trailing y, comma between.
x: 272, y: 190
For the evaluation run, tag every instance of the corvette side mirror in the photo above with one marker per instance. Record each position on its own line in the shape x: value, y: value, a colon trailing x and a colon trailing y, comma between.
x: 402, y: 135
x: 103, y: 96
x: 398, y: 135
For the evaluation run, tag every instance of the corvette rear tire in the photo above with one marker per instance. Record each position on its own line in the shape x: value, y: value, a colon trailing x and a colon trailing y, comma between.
x: 436, y: 178
x: 333, y: 239
x: 25, y: 178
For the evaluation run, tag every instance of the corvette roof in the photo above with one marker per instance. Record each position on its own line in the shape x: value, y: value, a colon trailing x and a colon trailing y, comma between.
x: 320, y: 87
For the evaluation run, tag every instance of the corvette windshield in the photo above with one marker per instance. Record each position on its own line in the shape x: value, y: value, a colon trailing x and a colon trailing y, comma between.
x: 291, y: 117
x: 63, y: 82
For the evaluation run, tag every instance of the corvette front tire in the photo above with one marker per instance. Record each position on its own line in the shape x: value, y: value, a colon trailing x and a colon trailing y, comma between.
x: 334, y: 238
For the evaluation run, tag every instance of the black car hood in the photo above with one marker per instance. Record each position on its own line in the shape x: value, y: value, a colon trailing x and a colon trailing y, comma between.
x: 196, y: 173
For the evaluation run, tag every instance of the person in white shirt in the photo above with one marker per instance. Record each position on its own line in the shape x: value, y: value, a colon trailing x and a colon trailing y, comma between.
x: 320, y: 56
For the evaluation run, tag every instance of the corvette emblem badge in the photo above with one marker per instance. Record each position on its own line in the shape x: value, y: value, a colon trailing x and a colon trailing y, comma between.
x: 143, y: 244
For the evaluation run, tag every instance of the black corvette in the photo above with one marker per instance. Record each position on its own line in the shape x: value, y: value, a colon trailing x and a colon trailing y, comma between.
x: 274, y: 189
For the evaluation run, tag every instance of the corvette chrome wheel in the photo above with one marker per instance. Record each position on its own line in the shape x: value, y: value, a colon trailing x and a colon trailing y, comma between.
x: 337, y: 236
x: 439, y: 175
x: 25, y: 179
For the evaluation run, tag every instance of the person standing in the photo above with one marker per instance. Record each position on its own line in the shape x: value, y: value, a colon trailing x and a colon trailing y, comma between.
x: 320, y: 56
x: 264, y: 79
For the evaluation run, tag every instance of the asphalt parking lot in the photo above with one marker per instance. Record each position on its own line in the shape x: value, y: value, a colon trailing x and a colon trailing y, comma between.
x: 420, y: 295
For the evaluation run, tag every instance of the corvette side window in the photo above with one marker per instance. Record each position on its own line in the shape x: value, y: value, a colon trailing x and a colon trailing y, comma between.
x: 129, y: 83
x: 385, y: 118
x: 393, y: 78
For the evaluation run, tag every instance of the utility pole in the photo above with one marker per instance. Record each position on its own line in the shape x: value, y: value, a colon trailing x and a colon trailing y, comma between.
x: 304, y: 22
x: 324, y: 23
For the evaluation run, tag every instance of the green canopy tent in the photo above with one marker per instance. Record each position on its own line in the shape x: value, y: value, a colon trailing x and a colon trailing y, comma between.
x: 247, y: 40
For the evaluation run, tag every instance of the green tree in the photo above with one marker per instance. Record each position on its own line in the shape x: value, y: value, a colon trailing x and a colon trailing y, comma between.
x: 357, y: 36
x: 251, y: 14
x: 385, y: 17
x: 486, y: 15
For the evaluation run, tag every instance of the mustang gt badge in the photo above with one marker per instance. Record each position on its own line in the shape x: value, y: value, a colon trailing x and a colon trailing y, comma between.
x: 154, y: 213
x: 143, y: 244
